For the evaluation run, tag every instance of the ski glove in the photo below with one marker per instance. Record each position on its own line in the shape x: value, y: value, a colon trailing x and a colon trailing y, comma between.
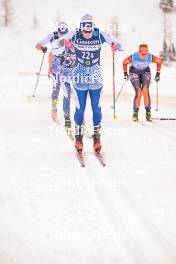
x: 67, y: 43
x: 126, y: 76
x: 157, y: 76
x: 114, y: 47
x: 44, y: 49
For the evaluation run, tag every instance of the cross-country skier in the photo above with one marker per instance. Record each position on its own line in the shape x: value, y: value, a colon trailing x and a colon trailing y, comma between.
x: 61, y: 62
x: 140, y: 77
x: 87, y: 77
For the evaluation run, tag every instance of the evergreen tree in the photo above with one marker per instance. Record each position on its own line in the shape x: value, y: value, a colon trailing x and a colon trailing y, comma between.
x: 115, y: 29
x: 8, y: 12
x: 35, y: 22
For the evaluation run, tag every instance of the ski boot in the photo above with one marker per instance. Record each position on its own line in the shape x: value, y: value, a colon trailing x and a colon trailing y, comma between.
x: 96, y: 142
x: 54, y: 110
x: 79, y: 143
x: 148, y: 116
x: 135, y: 117
x: 67, y: 123
x: 68, y: 128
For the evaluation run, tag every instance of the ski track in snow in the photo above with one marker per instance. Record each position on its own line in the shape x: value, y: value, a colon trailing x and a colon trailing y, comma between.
x: 47, y: 198
x: 123, y: 213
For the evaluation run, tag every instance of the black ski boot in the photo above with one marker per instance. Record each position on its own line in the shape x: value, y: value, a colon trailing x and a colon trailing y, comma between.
x: 79, y: 143
x: 54, y: 110
x: 135, y: 117
x: 67, y: 122
x: 148, y: 116
x: 96, y: 142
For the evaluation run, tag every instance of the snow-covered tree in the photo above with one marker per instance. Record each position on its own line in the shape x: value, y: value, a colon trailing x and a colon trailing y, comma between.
x: 115, y: 28
x: 167, y: 5
x: 173, y: 49
x: 57, y: 17
x: 35, y: 22
x: 164, y: 46
x: 7, y: 12
x: 171, y: 3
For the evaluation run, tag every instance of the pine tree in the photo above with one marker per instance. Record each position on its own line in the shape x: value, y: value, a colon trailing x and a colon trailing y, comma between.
x: 35, y: 22
x: 164, y: 46
x: 57, y: 17
x: 8, y: 12
x: 167, y: 5
x: 171, y: 3
x: 115, y: 29
x: 173, y: 49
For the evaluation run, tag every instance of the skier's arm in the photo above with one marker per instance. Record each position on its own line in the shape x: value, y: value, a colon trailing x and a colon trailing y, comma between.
x: 158, y: 62
x: 113, y: 42
x: 68, y: 36
x: 126, y: 61
x: 40, y: 45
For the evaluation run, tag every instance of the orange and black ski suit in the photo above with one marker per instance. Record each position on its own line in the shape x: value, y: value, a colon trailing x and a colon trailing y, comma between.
x: 140, y: 77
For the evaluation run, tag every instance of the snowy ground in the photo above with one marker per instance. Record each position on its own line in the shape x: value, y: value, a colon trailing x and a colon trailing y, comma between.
x: 54, y: 211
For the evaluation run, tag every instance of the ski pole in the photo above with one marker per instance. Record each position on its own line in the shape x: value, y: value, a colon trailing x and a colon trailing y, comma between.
x: 157, y: 108
x: 113, y: 72
x: 38, y: 75
x: 112, y: 106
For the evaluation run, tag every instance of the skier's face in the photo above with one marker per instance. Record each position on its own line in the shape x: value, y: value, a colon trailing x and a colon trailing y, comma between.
x: 87, y: 29
x: 63, y: 29
x: 143, y: 52
x: 87, y: 34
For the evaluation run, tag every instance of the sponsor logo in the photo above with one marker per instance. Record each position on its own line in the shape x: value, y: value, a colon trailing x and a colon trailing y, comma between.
x: 87, y: 42
x: 88, y: 47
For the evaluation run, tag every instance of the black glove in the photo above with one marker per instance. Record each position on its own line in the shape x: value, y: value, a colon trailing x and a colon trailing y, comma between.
x: 44, y: 49
x: 126, y: 76
x: 157, y: 76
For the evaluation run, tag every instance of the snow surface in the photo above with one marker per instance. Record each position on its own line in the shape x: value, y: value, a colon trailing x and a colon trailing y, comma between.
x: 51, y: 209
x: 54, y: 211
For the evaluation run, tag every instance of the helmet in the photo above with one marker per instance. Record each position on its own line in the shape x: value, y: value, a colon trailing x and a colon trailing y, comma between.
x: 62, y: 27
x: 87, y: 23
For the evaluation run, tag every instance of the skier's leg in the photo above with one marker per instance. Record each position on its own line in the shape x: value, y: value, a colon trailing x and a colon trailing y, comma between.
x: 136, y: 82
x: 146, y: 78
x: 66, y: 104
x: 80, y: 98
x: 147, y: 100
x: 55, y: 94
x: 95, y: 96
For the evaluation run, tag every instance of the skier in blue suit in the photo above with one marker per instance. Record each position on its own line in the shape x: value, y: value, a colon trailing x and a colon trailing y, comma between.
x: 87, y: 76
